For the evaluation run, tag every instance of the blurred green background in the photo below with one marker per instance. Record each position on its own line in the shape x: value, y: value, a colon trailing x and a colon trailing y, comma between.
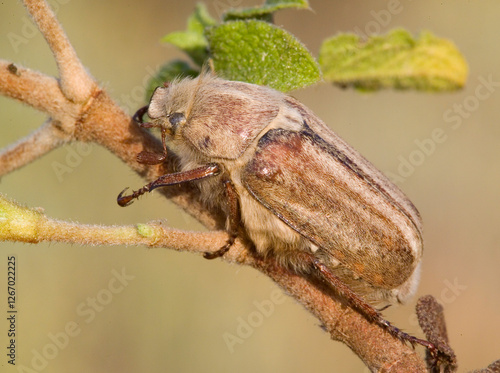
x: 174, y: 313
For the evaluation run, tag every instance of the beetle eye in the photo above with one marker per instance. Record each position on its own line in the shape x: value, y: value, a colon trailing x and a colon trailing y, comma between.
x: 176, y: 118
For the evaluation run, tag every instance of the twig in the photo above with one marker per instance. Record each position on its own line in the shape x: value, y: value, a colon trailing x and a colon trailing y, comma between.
x: 76, y: 83
x: 431, y: 319
x: 32, y: 147
x: 492, y: 368
x: 35, y: 89
x: 374, y: 345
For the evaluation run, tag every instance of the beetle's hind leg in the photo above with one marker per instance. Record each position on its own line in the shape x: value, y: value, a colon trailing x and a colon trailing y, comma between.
x: 367, y: 310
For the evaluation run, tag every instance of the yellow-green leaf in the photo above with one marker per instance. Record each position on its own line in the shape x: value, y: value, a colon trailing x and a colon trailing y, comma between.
x: 396, y: 60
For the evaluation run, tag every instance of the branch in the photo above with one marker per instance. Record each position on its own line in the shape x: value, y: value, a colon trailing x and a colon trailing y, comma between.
x: 23, y: 224
x: 431, y: 319
x: 492, y: 368
x: 374, y: 345
x: 32, y: 147
x: 76, y: 83
x: 40, y: 91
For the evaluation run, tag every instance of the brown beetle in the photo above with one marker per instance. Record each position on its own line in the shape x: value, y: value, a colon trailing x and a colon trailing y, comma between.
x: 300, y: 193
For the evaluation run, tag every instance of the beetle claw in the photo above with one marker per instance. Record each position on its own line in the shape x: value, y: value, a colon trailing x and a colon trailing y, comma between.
x: 124, y: 200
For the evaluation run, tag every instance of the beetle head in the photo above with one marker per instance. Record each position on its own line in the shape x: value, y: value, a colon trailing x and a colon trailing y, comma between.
x: 216, y: 117
x: 170, y: 105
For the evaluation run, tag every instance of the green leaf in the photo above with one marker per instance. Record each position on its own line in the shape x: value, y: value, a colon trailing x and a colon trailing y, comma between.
x: 194, y: 44
x: 260, y: 53
x: 168, y: 72
x: 265, y: 11
x: 200, y: 19
x: 193, y: 41
x: 396, y: 61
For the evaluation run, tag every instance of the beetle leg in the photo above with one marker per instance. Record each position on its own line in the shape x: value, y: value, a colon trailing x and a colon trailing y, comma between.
x: 367, y: 310
x: 224, y: 249
x: 170, y: 179
x: 151, y: 158
x: 234, y: 222
x: 139, y: 114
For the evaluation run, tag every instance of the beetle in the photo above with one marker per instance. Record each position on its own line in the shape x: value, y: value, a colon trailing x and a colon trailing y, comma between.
x: 297, y: 190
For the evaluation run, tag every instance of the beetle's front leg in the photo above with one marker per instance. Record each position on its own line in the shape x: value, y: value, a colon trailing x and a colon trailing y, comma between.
x: 147, y: 157
x: 234, y: 221
x: 199, y: 173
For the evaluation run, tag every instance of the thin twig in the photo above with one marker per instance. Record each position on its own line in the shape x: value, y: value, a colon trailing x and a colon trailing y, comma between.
x: 38, y: 90
x: 35, y: 145
x: 431, y: 319
x: 76, y: 83
x: 374, y: 345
